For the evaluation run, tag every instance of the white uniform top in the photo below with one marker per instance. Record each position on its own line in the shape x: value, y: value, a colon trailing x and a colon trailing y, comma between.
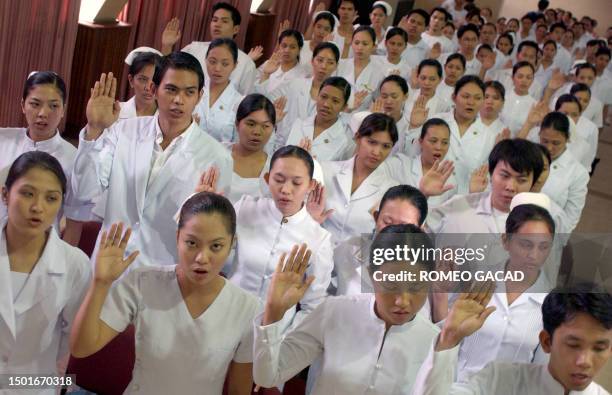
x: 170, y: 343
x: 334, y: 143
x: 543, y: 75
x: 504, y: 76
x: 359, y: 355
x: 255, y: 186
x: 435, y: 104
x: 472, y: 67
x: 446, y: 44
x: 470, y: 213
x: 306, y: 58
x: 602, y: 89
x: 445, y: 92
x: 515, y: 111
x: 34, y: 329
x: 351, y: 215
x: 128, y: 109
x: 586, y: 129
x: 145, y: 192
x: 510, y: 333
x: 369, y: 80
x: 415, y: 53
x: 567, y: 185
x: 243, y: 76
x: 280, y: 77
x: 220, y: 120
x: 387, y: 68
x: 263, y: 235
x: 563, y: 59
x: 593, y: 112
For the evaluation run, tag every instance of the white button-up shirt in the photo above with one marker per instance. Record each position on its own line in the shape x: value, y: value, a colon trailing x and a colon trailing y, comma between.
x: 359, y: 356
x: 219, y: 120
x: 334, y: 143
x: 168, y: 338
x: 387, y: 68
x: 415, y: 53
x: 368, y: 80
x: 515, y: 111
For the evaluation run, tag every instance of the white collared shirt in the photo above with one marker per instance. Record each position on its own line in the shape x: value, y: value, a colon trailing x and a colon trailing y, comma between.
x: 594, y: 110
x: 587, y: 130
x: 446, y: 44
x: 168, y: 338
x: 35, y: 321
x: 368, y: 80
x: 219, y: 120
x: 280, y: 77
x: 415, y: 53
x: 255, y: 186
x: 387, y: 68
x: 504, y: 76
x: 359, y: 356
x: 160, y: 156
x: 515, y: 111
x: 334, y: 143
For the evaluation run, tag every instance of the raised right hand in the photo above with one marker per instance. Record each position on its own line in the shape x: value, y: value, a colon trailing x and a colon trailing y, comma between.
x: 109, y: 260
x: 102, y: 108
x: 171, y: 33
x: 419, y: 113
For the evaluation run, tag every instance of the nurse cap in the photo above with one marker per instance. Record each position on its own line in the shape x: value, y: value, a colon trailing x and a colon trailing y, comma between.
x: 132, y: 55
x: 356, y: 120
x: 385, y: 5
x: 336, y: 20
x: 539, y: 199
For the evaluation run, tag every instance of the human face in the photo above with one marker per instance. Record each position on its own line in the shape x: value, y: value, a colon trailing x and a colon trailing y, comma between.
x: 503, y: 44
x: 43, y: 109
x: 549, y: 51
x: 437, y: 21
x: 33, y: 202
x: 346, y: 13
x: 362, y: 45
x: 584, y: 98
x: 522, y: 79
x: 537, y: 186
x: 501, y: 25
x: 289, y: 182
x: 378, y: 18
x: 203, y: 243
x: 395, y: 46
x: 416, y: 25
x: 578, y: 29
x: 513, y: 25
x: 487, y: 35
x: 526, y: 25
x: 556, y: 34
x: 541, y: 33
x: 322, y: 28
x: 468, y: 42
x: 578, y: 349
x: 506, y: 183
x: 374, y: 149
x: 434, y: 145
x: 142, y: 83
x: 289, y: 50
x: 482, y: 54
x: 493, y: 104
x: 571, y: 110
x: 453, y: 70
x: 468, y: 101
x: 255, y: 130
x: 219, y: 64
x: 528, y: 54
x: 396, y: 212
x: 601, y: 63
x: 393, y: 98
x: 177, y: 95
x: 222, y: 25
x: 428, y: 80
x: 324, y: 64
x: 329, y: 103
x: 554, y: 140
x: 529, y: 246
x: 568, y: 39
x: 448, y: 31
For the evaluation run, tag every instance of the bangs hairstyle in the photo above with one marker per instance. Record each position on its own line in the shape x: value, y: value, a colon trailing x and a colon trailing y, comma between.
x: 45, y: 78
x: 501, y: 91
x: 178, y: 61
x: 409, y: 194
x: 35, y: 160
x: 521, y: 155
x: 142, y: 60
x: 378, y: 122
x: 327, y: 45
x: 399, y: 81
x: 524, y: 213
x: 255, y: 102
x: 402, y: 236
x: 209, y: 203
x: 367, y: 29
x: 236, y: 18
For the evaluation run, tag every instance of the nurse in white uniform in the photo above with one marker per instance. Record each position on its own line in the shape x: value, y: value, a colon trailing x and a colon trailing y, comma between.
x: 378, y: 21
x: 391, y: 100
x: 193, y: 327
x: 518, y: 101
x: 284, y: 65
x: 42, y: 279
x: 429, y: 75
x: 494, y: 99
x: 141, y: 62
x: 454, y: 69
x: 255, y: 122
x: 392, y: 62
x: 323, y: 25
x: 567, y: 181
x: 580, y: 148
x: 326, y: 133
x: 220, y: 98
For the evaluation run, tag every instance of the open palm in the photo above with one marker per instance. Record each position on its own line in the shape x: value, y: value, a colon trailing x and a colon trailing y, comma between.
x: 110, y: 263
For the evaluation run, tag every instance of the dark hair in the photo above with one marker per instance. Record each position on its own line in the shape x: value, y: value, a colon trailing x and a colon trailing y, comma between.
x: 292, y: 151
x: 430, y: 63
x: 542, y: 5
x: 382, y: 7
x: 585, y: 66
x: 378, y: 122
x: 469, y: 79
x: 255, y: 102
x: 355, y: 3
x: 580, y: 87
x: 474, y: 13
x: 451, y: 24
x: 447, y: 15
x: 484, y: 46
x: 545, y: 152
x: 400, y: 81
x: 224, y: 42
x: 603, y: 51
x: 327, y: 45
x: 44, y: 78
x: 498, y: 87
x: 563, y: 304
x: 509, y: 37
x: 433, y: 122
x: 367, y: 29
x: 557, y: 121
x: 178, y: 61
x: 567, y: 98
x: 420, y: 12
x: 594, y: 42
x: 328, y: 16
x: 35, y: 160
x: 555, y: 25
x: 525, y: 213
x: 236, y: 18
x: 489, y: 24
x: 521, y: 155
x: 409, y: 194
x: 550, y: 42
x: 292, y: 33
x: 340, y: 83
x: 455, y: 56
x: 527, y: 16
x: 529, y: 44
x: 470, y: 27
x: 401, y: 236
x: 396, y: 31
x: 209, y: 203
x: 520, y: 65
x: 142, y: 60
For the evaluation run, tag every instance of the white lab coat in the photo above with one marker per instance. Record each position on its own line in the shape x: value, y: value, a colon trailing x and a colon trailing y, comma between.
x: 515, y: 111
x: 567, y: 185
x: 588, y: 131
x: 334, y: 143
x: 358, y: 354
x: 602, y: 89
x: 263, y: 235
x: 220, y: 120
x: 120, y: 161
x: 563, y: 59
x: 351, y: 215
x: 369, y: 80
x: 128, y: 109
x: 34, y: 329
x: 168, y: 338
x: 444, y: 93
x: 415, y: 53
x: 243, y: 76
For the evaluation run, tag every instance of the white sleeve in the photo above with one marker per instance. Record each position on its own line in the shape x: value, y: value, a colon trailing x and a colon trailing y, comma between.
x: 576, y: 197
x: 435, y: 375
x: 121, y: 305
x: 247, y: 78
x: 244, y: 352
x: 483, y: 382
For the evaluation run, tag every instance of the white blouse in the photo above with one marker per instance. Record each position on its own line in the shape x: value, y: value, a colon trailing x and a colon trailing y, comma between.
x: 369, y: 79
x: 219, y: 120
x: 255, y: 186
x: 515, y: 111
x: 387, y: 68
x: 334, y: 143
x: 168, y: 338
x: 415, y: 53
x: 279, y: 76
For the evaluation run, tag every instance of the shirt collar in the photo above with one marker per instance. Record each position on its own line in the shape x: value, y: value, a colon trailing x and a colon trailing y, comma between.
x: 484, y: 204
x: 159, y: 136
x: 279, y: 218
x: 392, y: 328
x: 45, y: 145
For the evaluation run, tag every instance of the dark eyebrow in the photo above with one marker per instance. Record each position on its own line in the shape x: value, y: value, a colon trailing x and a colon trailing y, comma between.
x: 49, y: 191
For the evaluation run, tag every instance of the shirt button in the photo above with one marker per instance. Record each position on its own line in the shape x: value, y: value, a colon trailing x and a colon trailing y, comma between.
x: 326, y: 141
x: 378, y: 366
x: 285, y: 220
